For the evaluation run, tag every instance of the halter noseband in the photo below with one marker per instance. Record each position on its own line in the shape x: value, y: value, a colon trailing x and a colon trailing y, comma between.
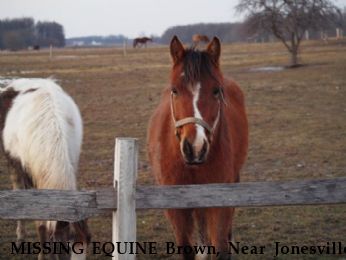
x: 193, y: 120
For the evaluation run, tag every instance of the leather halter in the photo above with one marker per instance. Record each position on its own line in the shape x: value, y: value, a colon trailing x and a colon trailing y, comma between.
x: 193, y: 120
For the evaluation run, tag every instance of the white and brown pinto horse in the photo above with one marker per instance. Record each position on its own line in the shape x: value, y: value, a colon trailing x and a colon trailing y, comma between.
x: 41, y: 134
x: 198, y: 134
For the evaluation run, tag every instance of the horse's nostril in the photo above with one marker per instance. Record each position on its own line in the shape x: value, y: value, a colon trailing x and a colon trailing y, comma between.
x: 188, y: 150
x: 203, y: 152
x: 191, y: 156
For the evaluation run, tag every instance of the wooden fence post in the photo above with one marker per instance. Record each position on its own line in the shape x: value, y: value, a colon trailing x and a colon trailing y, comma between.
x: 125, y: 174
x: 125, y: 47
x: 51, y: 52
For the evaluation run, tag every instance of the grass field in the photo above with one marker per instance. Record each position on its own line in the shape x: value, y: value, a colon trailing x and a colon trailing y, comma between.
x: 297, y: 131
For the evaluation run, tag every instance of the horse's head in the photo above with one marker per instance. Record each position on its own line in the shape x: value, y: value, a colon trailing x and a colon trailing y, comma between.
x: 196, y: 98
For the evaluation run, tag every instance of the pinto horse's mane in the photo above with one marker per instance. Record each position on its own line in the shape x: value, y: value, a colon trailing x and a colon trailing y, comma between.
x: 196, y: 64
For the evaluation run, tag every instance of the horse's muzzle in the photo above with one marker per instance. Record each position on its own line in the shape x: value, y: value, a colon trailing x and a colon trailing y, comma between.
x: 191, y: 156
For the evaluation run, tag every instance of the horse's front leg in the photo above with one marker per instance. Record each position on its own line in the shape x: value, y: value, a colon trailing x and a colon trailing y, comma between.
x: 182, y: 223
x: 82, y: 236
x: 42, y: 232
x: 200, y: 218
x: 61, y: 233
x: 219, y: 221
x: 18, y: 183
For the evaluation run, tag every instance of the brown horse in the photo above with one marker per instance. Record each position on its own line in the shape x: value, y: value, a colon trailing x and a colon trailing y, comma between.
x: 197, y: 38
x: 142, y: 41
x: 198, y: 135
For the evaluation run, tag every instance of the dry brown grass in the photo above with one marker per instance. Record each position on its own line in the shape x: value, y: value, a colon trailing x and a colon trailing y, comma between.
x: 297, y: 130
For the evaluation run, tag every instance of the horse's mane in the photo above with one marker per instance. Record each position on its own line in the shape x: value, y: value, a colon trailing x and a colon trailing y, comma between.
x: 196, y: 64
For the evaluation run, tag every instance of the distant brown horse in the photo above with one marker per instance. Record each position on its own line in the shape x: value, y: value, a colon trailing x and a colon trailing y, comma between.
x: 142, y: 41
x: 198, y: 134
x: 197, y: 38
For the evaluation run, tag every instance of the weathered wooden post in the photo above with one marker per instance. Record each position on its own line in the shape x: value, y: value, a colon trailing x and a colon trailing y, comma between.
x: 125, y: 174
x: 125, y: 47
x: 50, y: 52
x: 339, y: 33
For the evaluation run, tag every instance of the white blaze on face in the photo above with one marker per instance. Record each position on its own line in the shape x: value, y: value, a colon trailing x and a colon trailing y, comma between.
x: 200, y: 133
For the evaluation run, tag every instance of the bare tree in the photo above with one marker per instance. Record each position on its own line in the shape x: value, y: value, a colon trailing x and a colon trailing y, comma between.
x: 288, y: 19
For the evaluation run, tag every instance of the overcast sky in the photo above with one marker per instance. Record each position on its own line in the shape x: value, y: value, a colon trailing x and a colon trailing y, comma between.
x: 128, y: 17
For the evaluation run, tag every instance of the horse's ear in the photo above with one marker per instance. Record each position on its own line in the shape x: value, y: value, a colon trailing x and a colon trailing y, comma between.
x: 177, y: 50
x: 214, y: 49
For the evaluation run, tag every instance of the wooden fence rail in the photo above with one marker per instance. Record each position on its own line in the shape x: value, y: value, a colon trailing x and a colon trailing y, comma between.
x: 77, y: 205
x: 126, y: 197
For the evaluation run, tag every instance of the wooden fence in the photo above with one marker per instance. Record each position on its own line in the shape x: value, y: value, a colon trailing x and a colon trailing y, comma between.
x: 125, y: 197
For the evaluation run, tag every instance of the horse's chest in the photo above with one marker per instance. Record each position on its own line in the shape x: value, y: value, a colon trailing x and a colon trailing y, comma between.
x: 183, y: 175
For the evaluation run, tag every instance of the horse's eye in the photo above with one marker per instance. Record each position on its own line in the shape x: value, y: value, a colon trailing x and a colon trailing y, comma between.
x: 216, y: 92
x: 174, y: 91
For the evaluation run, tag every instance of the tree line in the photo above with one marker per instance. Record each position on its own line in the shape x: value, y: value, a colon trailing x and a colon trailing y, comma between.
x: 287, y: 21
x: 247, y: 31
x: 226, y: 32
x: 21, y: 33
